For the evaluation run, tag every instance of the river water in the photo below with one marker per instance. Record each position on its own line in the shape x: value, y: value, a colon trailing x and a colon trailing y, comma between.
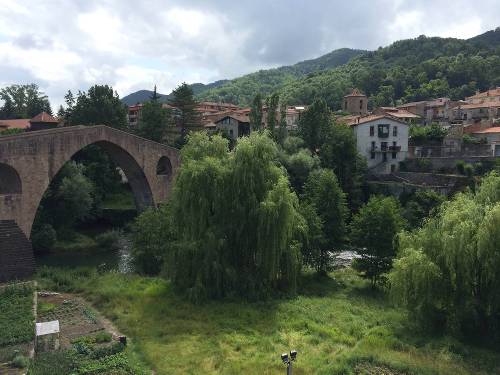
x: 119, y: 260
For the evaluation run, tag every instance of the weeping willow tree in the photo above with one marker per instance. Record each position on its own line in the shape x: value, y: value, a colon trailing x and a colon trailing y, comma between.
x: 235, y: 220
x: 447, y: 274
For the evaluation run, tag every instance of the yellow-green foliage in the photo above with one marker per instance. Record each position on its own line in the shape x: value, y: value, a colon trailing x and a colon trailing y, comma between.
x: 337, y: 325
x: 447, y: 274
x: 233, y: 221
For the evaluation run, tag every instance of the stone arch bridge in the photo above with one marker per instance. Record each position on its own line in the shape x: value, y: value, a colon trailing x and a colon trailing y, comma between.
x: 29, y: 162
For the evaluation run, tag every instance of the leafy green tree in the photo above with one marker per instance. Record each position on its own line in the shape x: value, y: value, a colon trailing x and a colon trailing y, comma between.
x: 153, y: 121
x: 272, y: 103
x: 447, y: 273
x: 420, y: 205
x: 185, y: 113
x: 323, y: 191
x: 68, y: 200
x: 152, y: 238
x: 313, y: 247
x: 373, y: 230
x: 256, y: 113
x: 339, y: 153
x: 100, y: 105
x: 314, y: 124
x: 235, y: 221
x: 23, y: 101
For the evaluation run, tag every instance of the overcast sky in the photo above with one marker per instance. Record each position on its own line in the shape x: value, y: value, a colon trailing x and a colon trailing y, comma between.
x: 131, y: 45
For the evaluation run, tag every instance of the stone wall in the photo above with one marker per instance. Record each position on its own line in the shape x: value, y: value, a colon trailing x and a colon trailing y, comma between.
x: 16, y: 254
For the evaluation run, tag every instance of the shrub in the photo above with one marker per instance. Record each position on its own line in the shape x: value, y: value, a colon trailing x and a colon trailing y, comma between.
x: 109, y: 240
x: 103, y: 336
x: 460, y: 166
x: 20, y: 361
x: 44, y: 238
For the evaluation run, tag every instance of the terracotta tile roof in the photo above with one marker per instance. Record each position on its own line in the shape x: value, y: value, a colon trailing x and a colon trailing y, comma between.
x: 495, y: 104
x: 493, y: 130
x: 237, y: 117
x: 396, y: 112
x: 22, y: 123
x: 410, y: 104
x: 358, y: 120
x: 355, y: 92
x: 480, y: 95
x: 44, y: 117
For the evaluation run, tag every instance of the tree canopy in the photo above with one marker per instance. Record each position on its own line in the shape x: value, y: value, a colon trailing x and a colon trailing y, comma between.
x: 447, y: 271
x: 235, y: 220
x: 100, y: 105
x: 373, y: 230
x: 23, y: 101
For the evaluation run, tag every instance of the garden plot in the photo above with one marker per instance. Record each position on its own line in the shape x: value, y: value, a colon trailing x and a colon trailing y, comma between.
x: 75, y: 317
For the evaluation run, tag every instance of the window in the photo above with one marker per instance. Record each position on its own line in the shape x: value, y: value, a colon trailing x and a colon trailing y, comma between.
x: 372, y: 155
x: 383, y: 146
x: 231, y: 132
x: 383, y: 130
x: 361, y: 104
x: 384, y: 156
x: 372, y: 131
x: 394, y: 155
x: 373, y: 146
x: 345, y: 104
x: 394, y: 131
x: 393, y: 168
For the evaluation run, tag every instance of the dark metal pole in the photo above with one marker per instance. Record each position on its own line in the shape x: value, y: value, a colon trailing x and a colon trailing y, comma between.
x: 289, y: 368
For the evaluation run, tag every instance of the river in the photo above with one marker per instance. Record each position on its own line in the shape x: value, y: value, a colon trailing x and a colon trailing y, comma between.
x: 119, y: 260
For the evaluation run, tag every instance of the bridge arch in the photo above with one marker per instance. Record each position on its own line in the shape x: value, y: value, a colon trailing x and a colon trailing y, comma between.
x: 10, y: 181
x: 30, y: 161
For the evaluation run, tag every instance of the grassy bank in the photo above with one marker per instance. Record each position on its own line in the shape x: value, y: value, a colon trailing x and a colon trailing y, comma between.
x: 337, y: 325
x: 16, y: 325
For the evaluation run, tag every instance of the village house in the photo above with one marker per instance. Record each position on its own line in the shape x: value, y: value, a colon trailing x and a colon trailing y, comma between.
x: 234, y: 125
x: 382, y: 139
x: 492, y: 138
x: 41, y: 121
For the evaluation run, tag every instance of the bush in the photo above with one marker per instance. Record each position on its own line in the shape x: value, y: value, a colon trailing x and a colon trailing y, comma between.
x: 103, y: 336
x: 44, y: 238
x: 460, y: 166
x: 109, y: 240
x: 20, y: 361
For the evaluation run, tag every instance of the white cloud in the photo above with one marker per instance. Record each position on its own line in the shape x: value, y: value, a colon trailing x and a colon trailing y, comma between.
x: 131, y: 45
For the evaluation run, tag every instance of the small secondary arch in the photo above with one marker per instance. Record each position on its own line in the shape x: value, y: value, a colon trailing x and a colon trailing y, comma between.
x: 10, y: 182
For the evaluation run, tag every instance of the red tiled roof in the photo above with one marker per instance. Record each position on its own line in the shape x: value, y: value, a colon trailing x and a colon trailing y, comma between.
x: 479, y: 95
x: 494, y: 104
x: 495, y: 129
x: 357, y: 120
x: 237, y: 117
x: 22, y: 123
x: 396, y: 112
x: 44, y: 117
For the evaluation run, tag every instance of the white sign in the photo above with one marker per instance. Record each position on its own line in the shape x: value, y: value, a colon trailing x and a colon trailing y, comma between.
x: 47, y: 328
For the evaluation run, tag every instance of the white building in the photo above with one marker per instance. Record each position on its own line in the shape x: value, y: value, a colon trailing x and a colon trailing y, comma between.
x: 382, y: 140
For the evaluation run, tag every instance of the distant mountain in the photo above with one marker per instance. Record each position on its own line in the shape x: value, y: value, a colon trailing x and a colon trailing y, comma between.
x: 242, y: 90
x: 407, y: 70
x: 488, y: 39
x: 141, y: 96
x: 266, y: 81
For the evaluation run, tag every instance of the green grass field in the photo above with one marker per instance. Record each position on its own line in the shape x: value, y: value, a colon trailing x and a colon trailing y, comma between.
x: 337, y: 325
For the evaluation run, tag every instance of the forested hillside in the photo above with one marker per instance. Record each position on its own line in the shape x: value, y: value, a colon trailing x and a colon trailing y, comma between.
x: 407, y: 70
x: 242, y: 90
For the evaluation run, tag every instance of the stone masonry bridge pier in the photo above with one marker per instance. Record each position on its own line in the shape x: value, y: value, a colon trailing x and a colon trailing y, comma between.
x: 29, y: 162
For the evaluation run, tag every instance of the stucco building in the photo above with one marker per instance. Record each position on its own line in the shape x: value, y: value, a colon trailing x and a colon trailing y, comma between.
x: 382, y: 140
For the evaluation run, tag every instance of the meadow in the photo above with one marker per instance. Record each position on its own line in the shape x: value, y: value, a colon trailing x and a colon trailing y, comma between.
x: 337, y: 324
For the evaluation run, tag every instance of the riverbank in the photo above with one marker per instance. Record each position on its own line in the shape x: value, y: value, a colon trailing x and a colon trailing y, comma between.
x: 337, y: 325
